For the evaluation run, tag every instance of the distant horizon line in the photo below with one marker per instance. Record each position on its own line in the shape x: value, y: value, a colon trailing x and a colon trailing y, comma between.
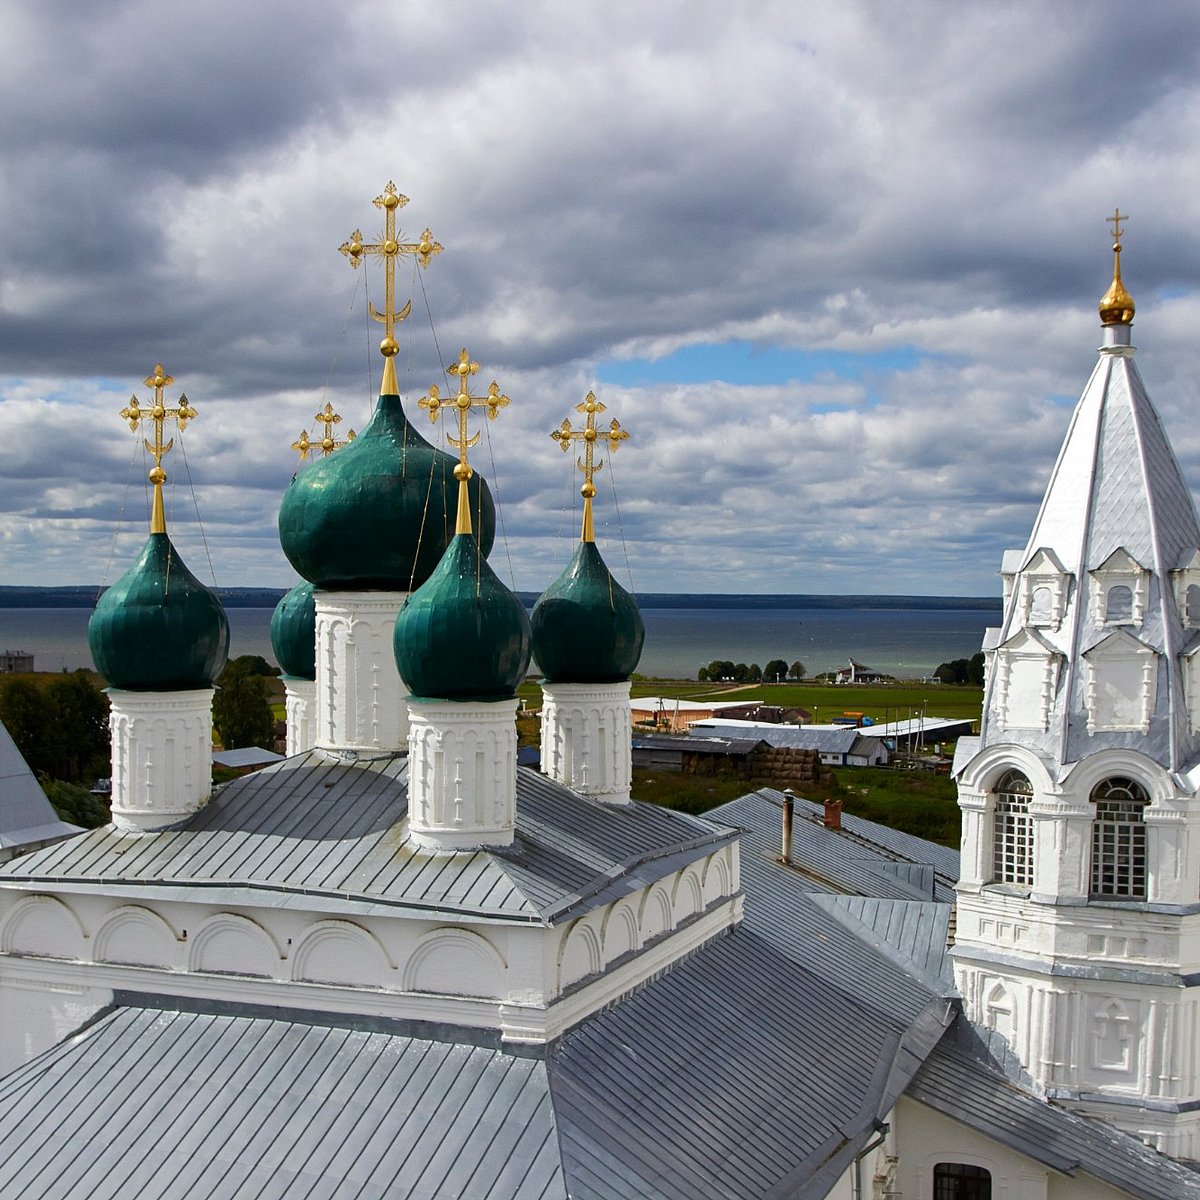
x: 243, y: 596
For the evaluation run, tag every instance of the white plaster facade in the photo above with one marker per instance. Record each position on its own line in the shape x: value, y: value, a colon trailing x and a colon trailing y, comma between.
x: 586, y: 734
x: 65, y: 951
x: 161, y: 756
x: 300, y: 711
x: 360, y: 695
x: 462, y: 779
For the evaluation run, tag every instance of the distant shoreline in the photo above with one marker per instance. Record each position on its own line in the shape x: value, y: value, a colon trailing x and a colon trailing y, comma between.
x: 85, y: 597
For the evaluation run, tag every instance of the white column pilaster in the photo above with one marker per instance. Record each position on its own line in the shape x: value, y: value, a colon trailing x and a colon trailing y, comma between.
x: 161, y: 756
x: 359, y: 692
x: 300, y: 708
x: 587, y: 738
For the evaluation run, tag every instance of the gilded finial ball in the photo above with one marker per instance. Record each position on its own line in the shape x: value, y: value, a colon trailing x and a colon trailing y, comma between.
x: 589, y: 435
x: 391, y: 200
x: 462, y: 472
x: 355, y: 249
x: 158, y: 475
x: 391, y: 246
x: 158, y: 412
x: 462, y: 400
x: 588, y: 491
x: 389, y: 347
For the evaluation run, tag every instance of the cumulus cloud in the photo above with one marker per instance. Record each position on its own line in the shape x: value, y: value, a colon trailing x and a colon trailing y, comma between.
x: 917, y: 200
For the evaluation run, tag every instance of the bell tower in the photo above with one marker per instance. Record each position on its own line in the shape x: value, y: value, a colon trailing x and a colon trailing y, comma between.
x: 1078, y: 933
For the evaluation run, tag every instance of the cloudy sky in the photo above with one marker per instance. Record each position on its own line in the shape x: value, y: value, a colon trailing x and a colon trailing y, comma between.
x: 834, y: 266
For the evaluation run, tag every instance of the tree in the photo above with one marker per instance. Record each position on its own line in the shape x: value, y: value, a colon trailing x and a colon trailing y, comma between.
x: 78, y: 740
x: 775, y: 671
x: 755, y: 673
x: 703, y: 675
x: 741, y: 672
x: 26, y: 716
x: 954, y: 671
x: 975, y: 669
x: 242, y: 713
x: 796, y: 670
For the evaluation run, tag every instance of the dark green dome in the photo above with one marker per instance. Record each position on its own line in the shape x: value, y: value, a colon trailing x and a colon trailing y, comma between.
x: 380, y: 511
x: 586, y: 626
x: 158, y: 628
x: 463, y: 635
x: 294, y: 633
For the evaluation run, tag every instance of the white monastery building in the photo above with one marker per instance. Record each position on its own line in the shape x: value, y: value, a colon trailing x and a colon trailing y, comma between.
x: 396, y: 964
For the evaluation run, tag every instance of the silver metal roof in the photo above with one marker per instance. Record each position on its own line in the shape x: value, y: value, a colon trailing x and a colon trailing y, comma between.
x: 1116, y: 485
x: 756, y: 1067
x: 166, y: 1104
x: 340, y: 831
x: 26, y: 816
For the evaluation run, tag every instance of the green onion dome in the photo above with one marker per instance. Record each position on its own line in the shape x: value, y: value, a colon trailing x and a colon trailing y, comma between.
x: 294, y: 633
x: 158, y: 628
x: 586, y: 626
x: 379, y: 512
x: 462, y: 635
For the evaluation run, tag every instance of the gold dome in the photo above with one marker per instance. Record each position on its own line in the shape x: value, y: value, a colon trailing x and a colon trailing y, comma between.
x: 1116, y: 305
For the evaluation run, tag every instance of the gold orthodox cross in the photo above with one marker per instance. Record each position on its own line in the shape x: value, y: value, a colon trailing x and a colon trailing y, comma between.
x: 159, y: 414
x: 328, y: 443
x: 564, y: 435
x: 390, y: 248
x: 1115, y: 221
x: 462, y: 403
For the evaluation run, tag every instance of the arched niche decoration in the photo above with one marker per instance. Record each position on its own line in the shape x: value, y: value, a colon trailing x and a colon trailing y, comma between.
x: 44, y: 926
x: 655, y: 917
x: 1120, y: 589
x: 619, y: 934
x: 137, y: 936
x: 341, y: 953
x: 1185, y: 582
x: 228, y: 944
x: 716, y: 879
x: 1043, y: 591
x: 452, y: 962
x: 687, y: 896
x: 579, y: 954
x: 999, y: 1009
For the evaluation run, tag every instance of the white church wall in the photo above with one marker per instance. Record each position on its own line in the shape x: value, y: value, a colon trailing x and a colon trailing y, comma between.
x: 529, y: 981
x: 920, y: 1138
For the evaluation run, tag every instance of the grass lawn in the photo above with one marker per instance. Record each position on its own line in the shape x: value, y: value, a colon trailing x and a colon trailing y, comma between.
x: 882, y: 702
x: 916, y: 802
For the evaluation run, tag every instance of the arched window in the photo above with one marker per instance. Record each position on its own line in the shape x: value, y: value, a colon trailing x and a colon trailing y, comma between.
x: 1118, y: 604
x: 961, y: 1181
x: 1012, y: 831
x: 1192, y: 605
x: 1119, y: 840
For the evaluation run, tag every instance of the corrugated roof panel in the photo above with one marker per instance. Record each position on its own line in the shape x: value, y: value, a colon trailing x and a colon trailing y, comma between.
x: 341, y: 829
x: 186, y: 1104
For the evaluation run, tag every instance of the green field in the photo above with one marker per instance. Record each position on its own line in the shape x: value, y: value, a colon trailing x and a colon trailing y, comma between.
x: 893, y: 701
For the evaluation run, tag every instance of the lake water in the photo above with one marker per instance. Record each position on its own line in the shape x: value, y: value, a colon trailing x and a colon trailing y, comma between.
x: 907, y: 643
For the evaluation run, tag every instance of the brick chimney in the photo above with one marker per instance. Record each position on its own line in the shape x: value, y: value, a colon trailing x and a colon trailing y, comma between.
x: 833, y: 814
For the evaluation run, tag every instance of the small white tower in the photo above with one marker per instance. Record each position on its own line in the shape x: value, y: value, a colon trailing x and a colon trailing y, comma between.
x: 159, y: 638
x: 462, y: 645
x: 1078, y: 933
x: 587, y: 638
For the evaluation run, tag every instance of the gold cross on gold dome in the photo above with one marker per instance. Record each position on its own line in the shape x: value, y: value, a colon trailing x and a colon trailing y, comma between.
x: 462, y: 403
x: 1115, y: 221
x: 390, y: 248
x: 159, y: 414
x: 564, y: 435
x: 328, y: 443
